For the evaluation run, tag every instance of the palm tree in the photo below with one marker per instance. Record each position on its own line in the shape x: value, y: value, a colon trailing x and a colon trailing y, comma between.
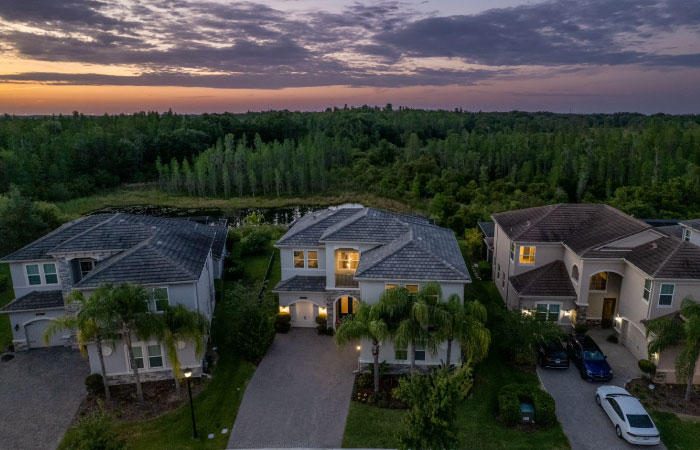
x: 368, y: 324
x: 92, y: 324
x: 667, y: 332
x: 181, y: 324
x: 465, y: 323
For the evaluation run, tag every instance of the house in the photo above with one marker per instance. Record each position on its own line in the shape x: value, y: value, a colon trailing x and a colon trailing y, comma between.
x: 176, y: 260
x: 335, y: 257
x: 591, y: 263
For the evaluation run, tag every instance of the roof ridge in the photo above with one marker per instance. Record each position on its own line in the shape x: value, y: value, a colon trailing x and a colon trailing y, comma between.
x: 82, y: 233
x: 446, y: 262
x: 626, y: 216
x: 99, y: 268
x: 538, y: 220
x: 668, y: 258
x: 62, y: 227
x: 336, y: 227
x: 287, y: 235
x: 409, y: 232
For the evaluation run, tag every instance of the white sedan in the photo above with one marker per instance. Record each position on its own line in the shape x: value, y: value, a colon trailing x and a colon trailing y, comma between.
x: 632, y: 422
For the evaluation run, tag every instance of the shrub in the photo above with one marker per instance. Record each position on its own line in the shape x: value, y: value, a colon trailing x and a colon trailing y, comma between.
x: 613, y: 338
x: 283, y: 322
x: 511, y: 395
x: 648, y: 367
x: 93, y: 432
x: 94, y: 383
x: 484, y: 270
x: 581, y: 329
x: 255, y: 243
x: 322, y: 324
x: 4, y: 283
x: 365, y: 380
x: 234, y: 273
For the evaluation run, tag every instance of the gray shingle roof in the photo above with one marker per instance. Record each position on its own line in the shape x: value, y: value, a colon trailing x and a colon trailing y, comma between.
x: 694, y: 224
x: 487, y: 228
x: 580, y: 226
x: 550, y: 280
x: 308, y: 229
x: 667, y: 257
x: 35, y: 300
x: 300, y: 283
x: 671, y: 230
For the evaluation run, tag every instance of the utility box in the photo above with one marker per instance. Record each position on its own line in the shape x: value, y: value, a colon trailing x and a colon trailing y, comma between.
x: 527, y: 411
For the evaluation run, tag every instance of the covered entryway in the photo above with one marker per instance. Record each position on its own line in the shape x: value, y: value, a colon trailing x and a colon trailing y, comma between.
x: 608, y: 312
x: 345, y: 306
x: 35, y: 334
x: 303, y: 314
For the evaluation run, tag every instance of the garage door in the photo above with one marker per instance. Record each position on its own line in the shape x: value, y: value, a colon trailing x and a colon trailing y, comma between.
x: 303, y: 314
x: 35, y: 334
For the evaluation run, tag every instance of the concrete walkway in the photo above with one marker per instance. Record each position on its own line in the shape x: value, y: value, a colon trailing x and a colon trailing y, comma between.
x: 40, y: 391
x: 299, y: 395
x: 584, y: 422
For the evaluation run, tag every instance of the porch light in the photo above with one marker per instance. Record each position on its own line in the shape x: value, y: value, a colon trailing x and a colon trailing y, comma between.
x: 618, y: 319
x: 358, y: 348
x: 284, y: 309
x: 567, y: 313
x: 655, y: 358
x: 322, y: 310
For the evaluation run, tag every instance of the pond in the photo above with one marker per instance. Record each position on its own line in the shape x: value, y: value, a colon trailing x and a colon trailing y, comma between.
x: 235, y: 216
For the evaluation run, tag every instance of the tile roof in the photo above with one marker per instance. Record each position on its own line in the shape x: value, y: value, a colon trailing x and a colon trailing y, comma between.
x: 580, y: 226
x: 410, y: 246
x: 300, y: 283
x: 35, y: 300
x: 694, y: 224
x: 487, y: 228
x: 550, y: 280
x: 667, y: 257
x: 671, y: 230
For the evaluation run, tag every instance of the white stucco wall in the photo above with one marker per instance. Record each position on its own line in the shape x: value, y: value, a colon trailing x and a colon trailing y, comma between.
x: 287, y: 262
x: 19, y: 320
x: 386, y: 353
x: 20, y: 283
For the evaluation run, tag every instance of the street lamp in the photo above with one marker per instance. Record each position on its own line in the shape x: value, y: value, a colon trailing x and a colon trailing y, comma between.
x: 188, y: 375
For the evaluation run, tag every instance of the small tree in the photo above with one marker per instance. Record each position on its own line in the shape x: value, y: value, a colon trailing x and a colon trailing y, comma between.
x: 368, y: 324
x: 666, y: 333
x: 475, y: 242
x: 432, y: 402
x: 466, y: 324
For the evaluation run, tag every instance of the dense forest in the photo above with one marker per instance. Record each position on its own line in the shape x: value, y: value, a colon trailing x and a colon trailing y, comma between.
x: 461, y: 166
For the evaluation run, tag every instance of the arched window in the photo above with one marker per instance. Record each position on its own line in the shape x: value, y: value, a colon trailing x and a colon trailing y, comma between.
x: 574, y: 273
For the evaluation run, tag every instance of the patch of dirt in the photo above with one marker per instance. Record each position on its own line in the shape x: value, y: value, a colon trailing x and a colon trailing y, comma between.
x: 363, y: 391
x: 665, y: 397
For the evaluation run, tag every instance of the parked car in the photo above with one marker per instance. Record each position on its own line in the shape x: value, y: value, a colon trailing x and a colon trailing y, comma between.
x: 588, y: 358
x: 552, y: 354
x: 632, y: 422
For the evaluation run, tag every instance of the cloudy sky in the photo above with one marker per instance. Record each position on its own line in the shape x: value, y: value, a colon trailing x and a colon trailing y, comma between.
x: 195, y: 56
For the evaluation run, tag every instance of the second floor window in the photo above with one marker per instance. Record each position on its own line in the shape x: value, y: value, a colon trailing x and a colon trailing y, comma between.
x: 527, y: 255
x: 298, y: 259
x: 666, y: 294
x: 512, y: 250
x: 599, y: 282
x: 85, y: 267
x: 159, y: 300
x: 391, y: 286
x: 348, y: 260
x: 34, y: 275
x: 647, y: 289
x: 686, y: 234
x: 305, y: 260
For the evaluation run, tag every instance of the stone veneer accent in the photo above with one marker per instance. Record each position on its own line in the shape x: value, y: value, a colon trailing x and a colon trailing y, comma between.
x: 156, y: 375
x: 331, y: 297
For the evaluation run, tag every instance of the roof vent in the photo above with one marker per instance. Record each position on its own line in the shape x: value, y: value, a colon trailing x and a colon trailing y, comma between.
x: 159, y: 242
x: 527, y: 224
x: 653, y: 245
x: 420, y: 238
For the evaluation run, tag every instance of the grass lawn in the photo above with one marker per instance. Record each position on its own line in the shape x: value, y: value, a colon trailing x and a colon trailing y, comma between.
x: 477, y: 427
x: 149, y: 195
x: 215, y: 408
x: 6, y: 297
x: 677, y: 434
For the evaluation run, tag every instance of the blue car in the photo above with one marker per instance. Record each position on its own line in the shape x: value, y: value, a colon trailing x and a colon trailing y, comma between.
x: 588, y: 358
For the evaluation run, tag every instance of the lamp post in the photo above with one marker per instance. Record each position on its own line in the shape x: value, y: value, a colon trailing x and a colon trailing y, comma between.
x: 188, y: 375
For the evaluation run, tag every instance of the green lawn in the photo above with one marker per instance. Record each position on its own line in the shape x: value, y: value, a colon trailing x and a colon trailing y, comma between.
x: 477, y: 427
x: 5, y: 297
x: 677, y: 434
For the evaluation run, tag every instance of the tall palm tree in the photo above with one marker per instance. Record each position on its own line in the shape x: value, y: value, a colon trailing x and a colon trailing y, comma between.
x: 181, y: 324
x: 368, y: 324
x: 465, y: 322
x: 92, y: 323
x: 667, y: 332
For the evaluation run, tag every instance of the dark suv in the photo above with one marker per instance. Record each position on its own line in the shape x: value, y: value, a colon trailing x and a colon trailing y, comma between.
x: 588, y: 358
x: 551, y: 354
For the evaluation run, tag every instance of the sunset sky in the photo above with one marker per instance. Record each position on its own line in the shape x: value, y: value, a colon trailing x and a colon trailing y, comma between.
x: 115, y: 56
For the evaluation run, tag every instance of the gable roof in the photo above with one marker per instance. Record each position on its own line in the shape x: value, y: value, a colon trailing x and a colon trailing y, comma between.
x: 300, y: 283
x: 410, y: 247
x: 581, y: 227
x: 35, y: 300
x: 147, y: 250
x: 487, y: 228
x: 550, y: 280
x: 694, y: 224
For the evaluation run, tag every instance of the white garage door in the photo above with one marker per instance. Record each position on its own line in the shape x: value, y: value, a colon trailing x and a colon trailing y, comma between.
x: 35, y: 334
x: 303, y: 314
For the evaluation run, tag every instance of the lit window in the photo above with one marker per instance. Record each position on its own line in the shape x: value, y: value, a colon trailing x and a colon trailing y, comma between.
x: 666, y: 294
x: 599, y: 282
x: 647, y: 289
x: 312, y: 260
x: 138, y: 357
x: 33, y: 274
x: 419, y: 353
x: 86, y: 267
x: 155, y: 356
x: 527, y: 255
x: 512, y: 250
x: 50, y: 275
x: 686, y: 234
x: 412, y: 288
x: 391, y: 286
x: 299, y: 259
x: 547, y: 313
x: 348, y: 260
x: 400, y: 354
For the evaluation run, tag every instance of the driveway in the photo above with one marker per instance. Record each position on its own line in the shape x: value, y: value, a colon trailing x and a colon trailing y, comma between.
x: 40, y: 391
x: 299, y: 395
x: 584, y: 422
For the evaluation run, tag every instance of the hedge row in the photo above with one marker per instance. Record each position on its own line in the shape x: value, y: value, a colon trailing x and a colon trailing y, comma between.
x: 510, y: 396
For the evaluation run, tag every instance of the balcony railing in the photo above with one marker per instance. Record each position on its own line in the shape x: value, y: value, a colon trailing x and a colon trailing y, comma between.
x: 345, y: 281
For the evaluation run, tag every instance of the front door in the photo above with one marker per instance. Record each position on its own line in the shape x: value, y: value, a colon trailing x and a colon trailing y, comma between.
x: 608, y: 312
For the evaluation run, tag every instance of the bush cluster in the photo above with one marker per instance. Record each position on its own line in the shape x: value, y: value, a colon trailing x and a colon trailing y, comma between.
x: 511, y: 395
x: 283, y: 322
x: 94, y: 383
x: 648, y: 367
x: 484, y: 270
x: 256, y: 242
x: 94, y: 431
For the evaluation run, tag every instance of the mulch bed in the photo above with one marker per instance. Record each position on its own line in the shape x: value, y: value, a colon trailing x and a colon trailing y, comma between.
x: 159, y: 397
x: 665, y: 397
x: 363, y: 391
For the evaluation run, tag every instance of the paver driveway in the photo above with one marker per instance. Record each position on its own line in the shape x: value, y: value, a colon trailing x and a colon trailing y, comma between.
x: 40, y: 391
x: 299, y: 395
x: 584, y: 422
